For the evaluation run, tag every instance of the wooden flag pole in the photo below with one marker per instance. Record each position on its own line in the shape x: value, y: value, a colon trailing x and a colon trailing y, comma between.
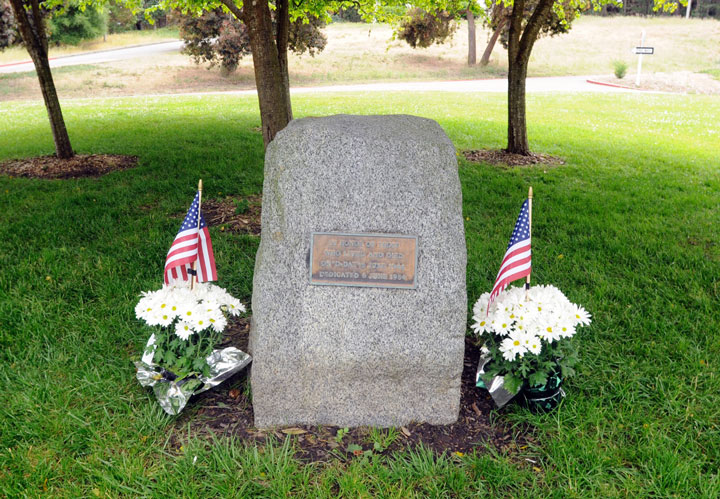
x: 193, y: 276
x: 527, y: 278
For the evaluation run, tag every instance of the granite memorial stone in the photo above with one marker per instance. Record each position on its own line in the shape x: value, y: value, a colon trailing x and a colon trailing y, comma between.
x: 359, y: 301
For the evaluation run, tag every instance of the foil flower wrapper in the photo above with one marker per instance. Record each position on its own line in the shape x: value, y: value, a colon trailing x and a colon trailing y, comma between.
x: 493, y: 384
x: 173, y: 396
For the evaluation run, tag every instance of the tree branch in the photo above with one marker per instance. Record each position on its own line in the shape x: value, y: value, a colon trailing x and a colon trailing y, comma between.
x: 236, y: 11
x: 24, y: 25
x: 283, y: 26
x: 39, y: 23
x: 533, y: 26
x: 516, y: 18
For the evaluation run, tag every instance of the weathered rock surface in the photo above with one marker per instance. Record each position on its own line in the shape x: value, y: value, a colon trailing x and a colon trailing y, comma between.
x: 352, y: 356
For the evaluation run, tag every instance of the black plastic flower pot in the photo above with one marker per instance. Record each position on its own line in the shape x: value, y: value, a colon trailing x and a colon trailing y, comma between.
x: 543, y: 398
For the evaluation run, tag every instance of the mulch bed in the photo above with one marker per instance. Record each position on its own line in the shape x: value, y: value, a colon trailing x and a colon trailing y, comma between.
x: 504, y: 158
x: 80, y: 165
x: 234, y: 214
x: 227, y: 411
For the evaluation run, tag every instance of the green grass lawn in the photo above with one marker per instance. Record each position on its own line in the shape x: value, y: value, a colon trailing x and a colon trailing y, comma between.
x: 628, y: 228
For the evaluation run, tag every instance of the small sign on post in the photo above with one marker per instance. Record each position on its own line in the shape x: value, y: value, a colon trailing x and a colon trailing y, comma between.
x: 641, y: 51
x: 644, y: 50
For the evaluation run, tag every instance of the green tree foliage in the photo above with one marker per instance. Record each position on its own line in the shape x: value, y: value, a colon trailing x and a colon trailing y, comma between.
x: 559, y: 21
x: 75, y: 24
x: 217, y: 37
x: 121, y: 18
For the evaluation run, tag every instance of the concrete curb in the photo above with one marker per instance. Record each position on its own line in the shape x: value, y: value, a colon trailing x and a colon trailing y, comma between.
x: 614, y: 85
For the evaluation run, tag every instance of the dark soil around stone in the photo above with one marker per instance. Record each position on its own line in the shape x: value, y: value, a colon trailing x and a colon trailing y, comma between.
x: 504, y: 158
x: 80, y: 165
x: 234, y: 214
x: 226, y: 411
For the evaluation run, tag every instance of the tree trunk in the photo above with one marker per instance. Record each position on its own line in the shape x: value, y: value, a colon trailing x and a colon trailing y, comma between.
x: 269, y: 61
x: 63, y: 148
x: 520, y: 44
x: 32, y: 30
x: 472, y: 50
x: 491, y: 43
x: 517, y: 127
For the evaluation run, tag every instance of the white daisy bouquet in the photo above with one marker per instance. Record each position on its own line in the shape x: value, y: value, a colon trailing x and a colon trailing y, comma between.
x: 188, y: 324
x: 528, y: 337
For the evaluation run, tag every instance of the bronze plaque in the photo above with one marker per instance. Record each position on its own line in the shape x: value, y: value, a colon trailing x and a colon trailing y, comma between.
x: 372, y: 260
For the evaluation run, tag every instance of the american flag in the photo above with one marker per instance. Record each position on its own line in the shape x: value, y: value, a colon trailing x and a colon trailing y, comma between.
x: 516, y: 263
x: 191, y: 245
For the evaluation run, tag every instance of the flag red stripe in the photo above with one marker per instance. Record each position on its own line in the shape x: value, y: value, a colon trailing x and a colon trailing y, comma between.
x: 188, y: 235
x: 525, y: 246
x: 512, y: 268
x: 208, y: 255
x: 507, y: 280
x: 509, y: 263
x: 188, y: 243
x: 202, y: 269
x: 176, y: 258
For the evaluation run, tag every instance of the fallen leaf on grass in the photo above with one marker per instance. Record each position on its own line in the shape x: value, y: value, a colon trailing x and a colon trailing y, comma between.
x: 294, y: 431
x: 355, y: 449
x: 405, y: 431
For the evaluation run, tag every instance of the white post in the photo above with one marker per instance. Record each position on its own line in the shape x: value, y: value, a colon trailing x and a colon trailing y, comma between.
x: 687, y: 12
x: 640, y: 56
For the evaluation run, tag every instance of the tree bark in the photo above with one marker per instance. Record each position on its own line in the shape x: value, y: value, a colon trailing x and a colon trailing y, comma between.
x: 269, y: 61
x: 283, y: 32
x: 517, y: 126
x: 472, y: 47
x: 32, y: 30
x: 520, y: 44
x: 485, y: 59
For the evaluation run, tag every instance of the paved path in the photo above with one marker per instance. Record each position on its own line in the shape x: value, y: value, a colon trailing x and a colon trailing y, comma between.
x: 499, y: 85
x: 537, y: 84
x: 100, y: 56
x: 496, y: 85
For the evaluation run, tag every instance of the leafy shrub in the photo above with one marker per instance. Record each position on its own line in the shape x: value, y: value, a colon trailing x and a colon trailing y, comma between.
x: 347, y: 14
x: 74, y: 25
x: 8, y: 30
x: 217, y: 37
x: 422, y: 29
x: 305, y: 36
x: 620, y: 69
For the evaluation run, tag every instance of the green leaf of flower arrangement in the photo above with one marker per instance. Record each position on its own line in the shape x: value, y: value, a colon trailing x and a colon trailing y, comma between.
x: 538, y: 378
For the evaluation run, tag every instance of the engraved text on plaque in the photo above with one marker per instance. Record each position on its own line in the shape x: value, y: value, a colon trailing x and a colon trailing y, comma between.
x: 375, y: 260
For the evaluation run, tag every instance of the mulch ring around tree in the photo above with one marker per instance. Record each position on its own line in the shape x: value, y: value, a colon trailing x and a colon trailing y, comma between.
x: 240, y: 215
x: 80, y: 165
x: 226, y: 411
x: 503, y: 158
